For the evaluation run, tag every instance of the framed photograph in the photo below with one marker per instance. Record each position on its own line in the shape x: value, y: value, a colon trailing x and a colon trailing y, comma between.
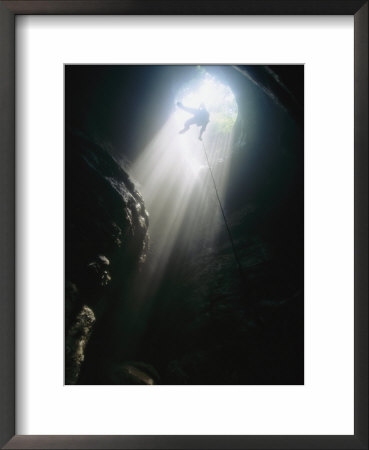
x: 184, y: 224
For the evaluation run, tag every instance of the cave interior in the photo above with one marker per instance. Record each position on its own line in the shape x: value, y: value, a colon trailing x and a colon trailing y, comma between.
x: 184, y: 259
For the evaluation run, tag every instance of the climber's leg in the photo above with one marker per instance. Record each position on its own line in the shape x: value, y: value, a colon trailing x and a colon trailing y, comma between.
x: 203, y: 128
x: 187, y: 125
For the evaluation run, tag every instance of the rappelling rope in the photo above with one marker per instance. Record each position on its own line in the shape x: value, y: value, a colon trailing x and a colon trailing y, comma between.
x: 222, y: 210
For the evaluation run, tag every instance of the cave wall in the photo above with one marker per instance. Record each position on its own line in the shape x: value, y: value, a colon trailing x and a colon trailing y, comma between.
x: 106, y: 241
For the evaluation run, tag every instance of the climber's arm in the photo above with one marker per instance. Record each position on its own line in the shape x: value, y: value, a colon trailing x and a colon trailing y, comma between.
x: 185, y: 108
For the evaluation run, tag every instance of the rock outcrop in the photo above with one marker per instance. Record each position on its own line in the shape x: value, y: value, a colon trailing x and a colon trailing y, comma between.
x: 106, y: 241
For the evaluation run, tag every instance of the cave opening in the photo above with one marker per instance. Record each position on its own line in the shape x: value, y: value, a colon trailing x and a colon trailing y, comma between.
x: 217, y: 97
x: 206, y: 91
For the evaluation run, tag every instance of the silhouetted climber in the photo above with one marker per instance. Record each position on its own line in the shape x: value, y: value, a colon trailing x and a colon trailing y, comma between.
x: 200, y: 118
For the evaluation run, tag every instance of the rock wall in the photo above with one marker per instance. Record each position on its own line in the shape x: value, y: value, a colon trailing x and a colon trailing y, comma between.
x: 106, y: 241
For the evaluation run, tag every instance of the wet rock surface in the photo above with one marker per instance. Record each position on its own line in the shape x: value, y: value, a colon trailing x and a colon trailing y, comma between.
x: 76, y: 339
x: 106, y: 241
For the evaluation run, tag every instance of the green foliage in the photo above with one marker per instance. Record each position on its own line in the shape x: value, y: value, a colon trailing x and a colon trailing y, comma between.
x: 223, y: 123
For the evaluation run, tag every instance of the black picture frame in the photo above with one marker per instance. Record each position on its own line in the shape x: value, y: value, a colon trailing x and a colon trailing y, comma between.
x: 8, y: 12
